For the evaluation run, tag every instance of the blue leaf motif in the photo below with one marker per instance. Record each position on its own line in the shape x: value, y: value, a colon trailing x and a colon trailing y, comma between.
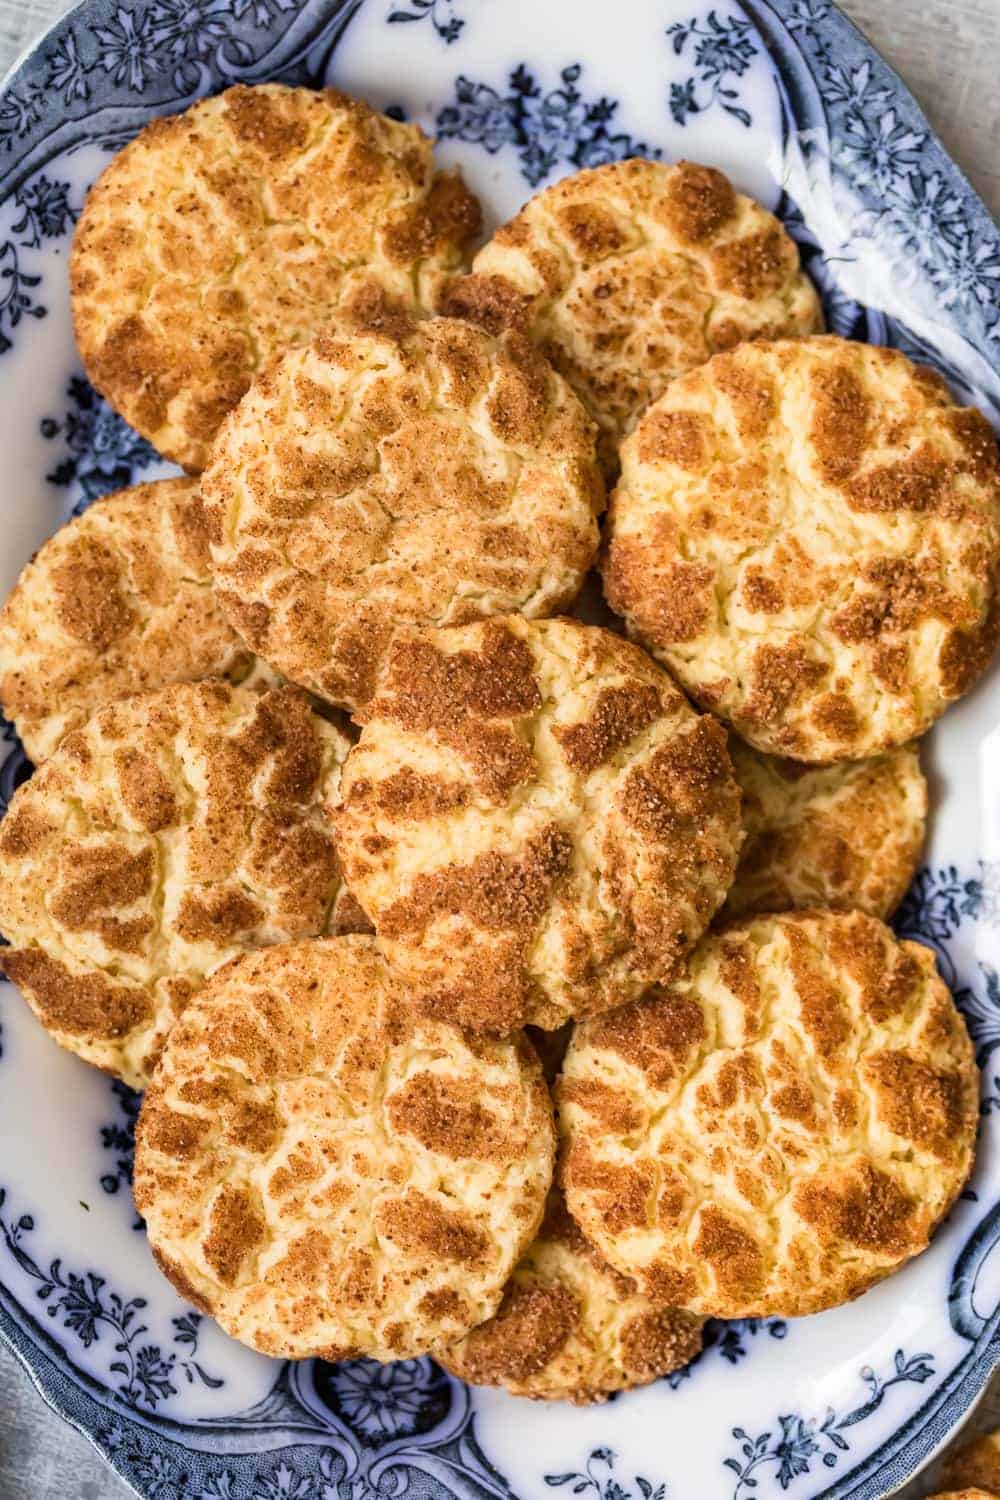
x: 800, y: 1440
x: 723, y: 51
x: 441, y: 14
x: 89, y: 1309
x: 66, y: 70
x: 103, y: 454
x: 605, y: 1486
x: 546, y: 127
x: 127, y: 48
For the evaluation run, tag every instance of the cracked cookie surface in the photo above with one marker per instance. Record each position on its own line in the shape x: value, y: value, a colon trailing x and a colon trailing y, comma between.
x: 397, y: 473
x: 781, y: 1129
x: 240, y: 226
x: 570, y: 1328
x: 329, y: 1175
x: 847, y: 836
x: 118, y: 601
x: 807, y: 533
x: 168, y: 833
x: 631, y: 273
x: 535, y: 821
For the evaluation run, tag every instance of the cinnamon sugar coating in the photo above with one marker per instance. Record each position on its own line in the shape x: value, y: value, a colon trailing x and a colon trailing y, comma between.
x: 629, y: 274
x: 328, y: 1175
x: 779, y: 1130
x: 168, y: 833
x: 807, y: 533
x: 535, y: 821
x: 396, y: 473
x: 570, y: 1328
x: 847, y: 836
x: 243, y: 225
x: 118, y: 601
x: 974, y: 1463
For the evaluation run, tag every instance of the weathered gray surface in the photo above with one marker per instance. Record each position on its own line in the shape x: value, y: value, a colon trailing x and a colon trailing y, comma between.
x: 947, y: 50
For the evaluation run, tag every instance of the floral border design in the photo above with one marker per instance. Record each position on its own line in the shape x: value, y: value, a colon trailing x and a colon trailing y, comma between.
x: 102, y: 452
x: 799, y: 1440
x: 82, y: 1301
x: 722, y: 52
x: 861, y: 158
x: 598, y: 1479
x: 545, y: 127
x: 440, y: 13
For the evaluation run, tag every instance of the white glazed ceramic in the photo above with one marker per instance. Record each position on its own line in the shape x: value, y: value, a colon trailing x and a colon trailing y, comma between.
x: 788, y: 98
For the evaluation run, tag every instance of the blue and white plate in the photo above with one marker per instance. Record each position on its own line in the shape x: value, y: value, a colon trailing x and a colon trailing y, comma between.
x: 790, y: 100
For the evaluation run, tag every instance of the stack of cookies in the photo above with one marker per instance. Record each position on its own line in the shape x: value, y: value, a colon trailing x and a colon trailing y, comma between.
x: 504, y: 987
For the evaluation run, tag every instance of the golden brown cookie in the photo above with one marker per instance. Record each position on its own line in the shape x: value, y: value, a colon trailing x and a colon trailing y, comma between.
x: 169, y: 832
x: 973, y: 1494
x: 807, y: 534
x: 328, y: 1175
x: 779, y: 1130
x: 240, y: 226
x: 976, y: 1462
x: 119, y: 601
x: 570, y: 1328
x: 423, y: 473
x: 535, y: 821
x: 846, y: 836
x: 631, y: 273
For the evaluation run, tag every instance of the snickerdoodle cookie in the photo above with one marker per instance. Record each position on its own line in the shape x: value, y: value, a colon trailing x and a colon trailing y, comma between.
x: 536, y: 822
x: 778, y: 1130
x: 631, y: 273
x: 327, y: 1174
x: 239, y: 227
x: 397, y: 473
x: 807, y: 533
x: 169, y: 832
x: 119, y: 601
x: 845, y: 836
x: 570, y: 1328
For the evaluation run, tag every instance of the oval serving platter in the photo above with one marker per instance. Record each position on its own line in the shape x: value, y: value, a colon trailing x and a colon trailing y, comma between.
x: 789, y: 98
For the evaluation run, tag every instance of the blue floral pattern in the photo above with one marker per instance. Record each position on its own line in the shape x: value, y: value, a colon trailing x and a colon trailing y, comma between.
x: 102, y: 453
x: 722, y: 51
x: 411, y: 1432
x: 15, y: 767
x: 140, y: 1372
x: 936, y: 903
x: 118, y: 1138
x: 733, y: 1339
x: 382, y: 1402
x: 440, y: 13
x: 934, y: 908
x: 17, y: 294
x: 792, y: 1447
x: 891, y: 175
x: 45, y: 211
x: 598, y: 1480
x: 546, y: 127
x: 44, y: 214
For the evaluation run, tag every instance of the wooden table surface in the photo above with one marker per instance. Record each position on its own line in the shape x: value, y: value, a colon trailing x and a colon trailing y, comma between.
x: 947, y: 51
